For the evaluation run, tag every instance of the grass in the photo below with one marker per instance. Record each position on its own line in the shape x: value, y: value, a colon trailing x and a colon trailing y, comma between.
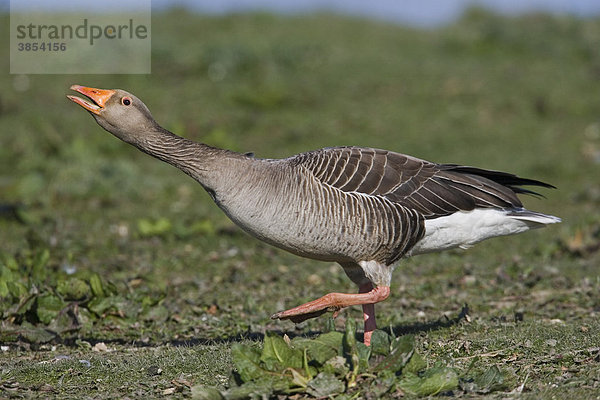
x: 180, y: 284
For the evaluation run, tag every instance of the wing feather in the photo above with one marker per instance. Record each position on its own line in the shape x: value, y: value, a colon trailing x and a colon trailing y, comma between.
x: 434, y: 190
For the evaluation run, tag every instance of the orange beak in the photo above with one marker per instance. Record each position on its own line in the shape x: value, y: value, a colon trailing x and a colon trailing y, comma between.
x: 98, y: 96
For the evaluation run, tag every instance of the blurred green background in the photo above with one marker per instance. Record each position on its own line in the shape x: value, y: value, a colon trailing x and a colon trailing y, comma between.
x: 518, y: 94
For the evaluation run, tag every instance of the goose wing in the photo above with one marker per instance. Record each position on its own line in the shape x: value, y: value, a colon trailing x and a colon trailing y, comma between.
x: 432, y: 189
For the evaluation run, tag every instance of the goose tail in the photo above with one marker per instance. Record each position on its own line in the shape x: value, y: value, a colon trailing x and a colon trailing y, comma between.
x: 533, y: 219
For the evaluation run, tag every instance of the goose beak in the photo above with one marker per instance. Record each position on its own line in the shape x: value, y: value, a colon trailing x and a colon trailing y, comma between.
x: 99, y: 98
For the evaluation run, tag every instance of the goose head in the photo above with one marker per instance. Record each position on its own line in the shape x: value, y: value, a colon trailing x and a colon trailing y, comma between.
x: 119, y: 112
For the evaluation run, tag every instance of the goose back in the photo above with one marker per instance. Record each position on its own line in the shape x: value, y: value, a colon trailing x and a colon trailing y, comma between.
x: 434, y: 190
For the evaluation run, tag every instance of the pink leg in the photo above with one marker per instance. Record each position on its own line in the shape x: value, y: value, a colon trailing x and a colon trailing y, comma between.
x: 368, y: 314
x: 366, y: 297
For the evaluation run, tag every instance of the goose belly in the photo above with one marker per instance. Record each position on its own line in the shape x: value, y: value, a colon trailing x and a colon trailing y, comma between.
x: 297, y: 230
x: 318, y: 222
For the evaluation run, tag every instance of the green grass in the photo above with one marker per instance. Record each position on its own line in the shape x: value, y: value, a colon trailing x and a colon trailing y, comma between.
x: 184, y: 284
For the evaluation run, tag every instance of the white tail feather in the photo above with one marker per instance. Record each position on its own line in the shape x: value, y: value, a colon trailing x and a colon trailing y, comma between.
x: 465, y: 228
x: 539, y: 220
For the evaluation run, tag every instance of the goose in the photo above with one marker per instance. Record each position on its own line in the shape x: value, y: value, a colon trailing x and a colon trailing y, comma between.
x: 363, y: 208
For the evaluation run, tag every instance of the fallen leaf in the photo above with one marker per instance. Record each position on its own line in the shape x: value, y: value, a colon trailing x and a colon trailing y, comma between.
x: 100, y: 347
x: 169, y: 391
x: 136, y: 282
x: 212, y: 309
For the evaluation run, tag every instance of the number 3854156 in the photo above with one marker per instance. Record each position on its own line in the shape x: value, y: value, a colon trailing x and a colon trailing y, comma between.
x: 43, y: 46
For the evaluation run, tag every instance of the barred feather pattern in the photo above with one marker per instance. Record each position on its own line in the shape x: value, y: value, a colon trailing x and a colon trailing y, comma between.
x: 434, y: 190
x: 292, y: 209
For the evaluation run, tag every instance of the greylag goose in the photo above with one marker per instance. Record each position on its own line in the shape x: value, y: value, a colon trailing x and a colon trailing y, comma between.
x: 363, y: 208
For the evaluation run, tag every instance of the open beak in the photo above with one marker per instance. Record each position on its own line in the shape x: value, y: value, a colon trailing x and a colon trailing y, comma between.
x: 99, y: 98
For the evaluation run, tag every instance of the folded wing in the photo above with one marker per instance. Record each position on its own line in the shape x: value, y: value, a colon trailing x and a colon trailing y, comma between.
x: 432, y: 189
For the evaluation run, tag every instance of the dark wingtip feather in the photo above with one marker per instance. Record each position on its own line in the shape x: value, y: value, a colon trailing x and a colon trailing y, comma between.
x: 520, y: 190
x: 531, y: 182
x: 509, y: 180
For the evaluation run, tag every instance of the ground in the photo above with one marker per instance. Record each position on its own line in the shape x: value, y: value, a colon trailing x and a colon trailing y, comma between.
x: 120, y: 277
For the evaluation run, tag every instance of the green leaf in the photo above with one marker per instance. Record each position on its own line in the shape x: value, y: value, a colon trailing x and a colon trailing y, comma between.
x: 17, y: 289
x: 364, y: 353
x: 351, y: 351
x: 73, y: 289
x: 298, y: 379
x: 329, y: 325
x: 263, y: 387
x: 85, y: 319
x: 48, y: 307
x: 403, y: 348
x: 277, y: 354
x: 26, y: 305
x: 336, y: 365
x: 117, y: 304
x: 7, y: 277
x: 380, y: 342
x: 4, y: 292
x: 384, y: 383
x: 349, y: 340
x: 156, y: 313
x: 9, y: 332
x: 415, y: 365
x: 251, y: 390
x: 321, y: 348
x: 64, y: 322
x: 99, y: 305
x: 10, y: 262
x: 37, y: 335
x: 96, y: 285
x: 324, y: 385
x: 490, y: 380
x: 435, y: 380
x: 247, y: 362
x: 39, y: 270
x: 201, y: 392
x: 309, y: 370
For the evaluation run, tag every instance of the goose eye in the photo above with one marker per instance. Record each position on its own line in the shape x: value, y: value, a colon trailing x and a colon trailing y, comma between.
x: 126, y: 101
